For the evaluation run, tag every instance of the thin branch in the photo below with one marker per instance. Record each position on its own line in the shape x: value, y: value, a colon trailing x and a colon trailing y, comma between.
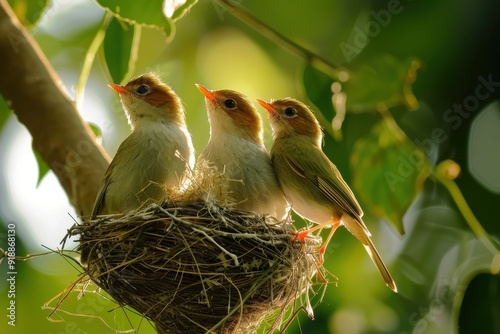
x: 391, y: 124
x: 33, y: 90
x: 440, y: 174
x: 315, y: 60
x: 90, y: 56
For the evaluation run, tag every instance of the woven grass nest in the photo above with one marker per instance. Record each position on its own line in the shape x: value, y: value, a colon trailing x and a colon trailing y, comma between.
x: 193, y: 266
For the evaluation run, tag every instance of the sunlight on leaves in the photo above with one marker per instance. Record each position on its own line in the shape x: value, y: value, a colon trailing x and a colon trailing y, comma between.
x: 147, y: 13
x: 183, y: 10
x: 169, y: 6
x: 176, y: 9
x: 387, y: 173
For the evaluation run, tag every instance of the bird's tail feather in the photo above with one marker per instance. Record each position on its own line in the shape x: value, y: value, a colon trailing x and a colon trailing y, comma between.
x: 360, y: 232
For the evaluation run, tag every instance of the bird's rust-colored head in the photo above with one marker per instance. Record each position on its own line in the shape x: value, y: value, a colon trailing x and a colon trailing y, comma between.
x: 147, y: 97
x: 232, y: 112
x: 289, y: 117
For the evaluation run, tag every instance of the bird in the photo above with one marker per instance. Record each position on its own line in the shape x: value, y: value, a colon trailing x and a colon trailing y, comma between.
x: 312, y: 184
x: 236, y: 148
x: 156, y: 154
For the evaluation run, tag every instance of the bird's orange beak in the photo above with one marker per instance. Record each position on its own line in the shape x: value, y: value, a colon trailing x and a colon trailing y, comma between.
x: 267, y: 106
x: 119, y: 89
x: 207, y: 92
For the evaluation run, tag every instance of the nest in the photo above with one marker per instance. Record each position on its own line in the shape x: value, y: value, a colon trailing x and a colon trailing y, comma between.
x: 196, y: 267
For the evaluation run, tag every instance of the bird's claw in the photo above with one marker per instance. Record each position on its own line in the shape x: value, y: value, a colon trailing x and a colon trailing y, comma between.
x: 321, y: 253
x: 300, y: 236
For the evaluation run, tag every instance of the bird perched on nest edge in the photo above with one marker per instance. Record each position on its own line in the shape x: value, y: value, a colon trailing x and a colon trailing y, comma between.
x: 312, y: 184
x: 237, y: 149
x: 155, y: 156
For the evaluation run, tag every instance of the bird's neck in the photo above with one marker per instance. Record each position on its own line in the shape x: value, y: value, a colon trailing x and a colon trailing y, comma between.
x: 231, y: 137
x: 145, y: 117
x: 285, y: 136
x: 230, y: 131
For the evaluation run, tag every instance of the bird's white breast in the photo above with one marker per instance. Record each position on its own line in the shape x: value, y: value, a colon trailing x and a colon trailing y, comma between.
x: 306, y: 207
x: 248, y: 162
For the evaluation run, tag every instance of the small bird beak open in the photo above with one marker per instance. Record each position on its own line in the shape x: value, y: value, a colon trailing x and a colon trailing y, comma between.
x: 267, y: 106
x: 207, y: 92
x: 119, y: 89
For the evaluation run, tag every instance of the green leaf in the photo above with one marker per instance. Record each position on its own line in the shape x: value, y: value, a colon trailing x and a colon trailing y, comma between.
x: 388, y: 173
x: 43, y: 169
x: 120, y: 48
x: 96, y: 130
x: 29, y: 12
x: 384, y: 80
x: 317, y: 86
x: 146, y: 13
x: 183, y: 9
x: 5, y: 113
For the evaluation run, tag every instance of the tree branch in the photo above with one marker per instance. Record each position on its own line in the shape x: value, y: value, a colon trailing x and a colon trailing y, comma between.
x: 33, y: 90
x: 312, y: 58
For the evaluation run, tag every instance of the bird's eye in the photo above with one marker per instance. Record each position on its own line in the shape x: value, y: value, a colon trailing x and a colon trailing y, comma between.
x: 290, y: 112
x: 230, y: 103
x: 142, y: 90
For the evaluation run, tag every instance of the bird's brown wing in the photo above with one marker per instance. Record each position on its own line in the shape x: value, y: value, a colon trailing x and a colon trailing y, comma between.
x: 325, y: 176
x: 123, y: 150
x: 99, y: 202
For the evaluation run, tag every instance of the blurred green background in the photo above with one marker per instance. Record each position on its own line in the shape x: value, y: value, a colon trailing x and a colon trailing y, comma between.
x: 430, y: 66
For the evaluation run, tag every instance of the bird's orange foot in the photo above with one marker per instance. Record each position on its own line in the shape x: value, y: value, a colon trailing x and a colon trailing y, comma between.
x: 300, y: 236
x: 321, y: 253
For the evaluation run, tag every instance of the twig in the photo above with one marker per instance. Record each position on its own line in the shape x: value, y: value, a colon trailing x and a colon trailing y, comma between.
x: 90, y: 56
x: 392, y: 125
x: 233, y: 256
x: 439, y: 174
x: 315, y: 60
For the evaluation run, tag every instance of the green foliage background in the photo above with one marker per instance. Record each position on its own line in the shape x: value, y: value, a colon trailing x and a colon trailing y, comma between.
x: 395, y: 69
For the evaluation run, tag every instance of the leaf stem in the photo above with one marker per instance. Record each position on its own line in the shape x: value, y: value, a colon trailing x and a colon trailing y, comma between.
x: 90, y: 56
x: 134, y: 51
x: 391, y: 124
x: 332, y: 69
x: 440, y: 174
